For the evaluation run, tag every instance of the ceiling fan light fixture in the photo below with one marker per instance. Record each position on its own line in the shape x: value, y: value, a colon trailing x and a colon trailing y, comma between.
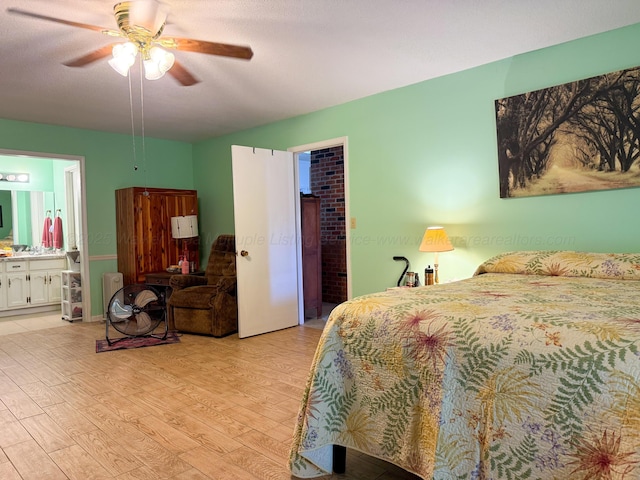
x: 158, y: 63
x: 124, y: 56
x: 163, y: 58
x: 125, y: 49
x: 119, y: 66
x: 151, y: 70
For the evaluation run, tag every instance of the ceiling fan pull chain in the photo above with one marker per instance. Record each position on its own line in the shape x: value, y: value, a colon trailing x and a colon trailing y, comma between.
x: 144, y: 152
x: 133, y: 130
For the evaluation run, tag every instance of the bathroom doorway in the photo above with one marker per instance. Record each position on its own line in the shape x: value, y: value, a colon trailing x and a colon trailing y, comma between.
x: 51, y: 173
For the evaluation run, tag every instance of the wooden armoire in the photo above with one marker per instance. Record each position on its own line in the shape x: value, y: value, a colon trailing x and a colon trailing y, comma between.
x: 143, y: 230
x: 311, y: 256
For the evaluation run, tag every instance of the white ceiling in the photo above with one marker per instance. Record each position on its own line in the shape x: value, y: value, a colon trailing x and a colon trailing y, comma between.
x: 308, y: 55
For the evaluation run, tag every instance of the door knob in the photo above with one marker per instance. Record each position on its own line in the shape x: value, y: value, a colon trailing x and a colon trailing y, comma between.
x: 244, y: 253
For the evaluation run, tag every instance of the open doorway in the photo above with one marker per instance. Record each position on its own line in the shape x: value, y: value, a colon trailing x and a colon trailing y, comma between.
x: 48, y: 178
x: 322, y: 183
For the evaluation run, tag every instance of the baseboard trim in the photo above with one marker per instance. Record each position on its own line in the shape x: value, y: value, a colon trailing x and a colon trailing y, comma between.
x: 28, y: 310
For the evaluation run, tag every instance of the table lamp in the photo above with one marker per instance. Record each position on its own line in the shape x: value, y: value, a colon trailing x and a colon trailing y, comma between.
x: 184, y: 227
x: 435, y: 240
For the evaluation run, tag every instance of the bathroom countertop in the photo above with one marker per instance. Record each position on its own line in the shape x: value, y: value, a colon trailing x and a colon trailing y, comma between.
x: 45, y: 256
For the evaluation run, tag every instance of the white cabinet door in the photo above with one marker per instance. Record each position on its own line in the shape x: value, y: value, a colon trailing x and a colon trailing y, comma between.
x: 17, y: 289
x: 44, y: 287
x: 38, y: 287
x: 54, y: 286
x: 3, y: 291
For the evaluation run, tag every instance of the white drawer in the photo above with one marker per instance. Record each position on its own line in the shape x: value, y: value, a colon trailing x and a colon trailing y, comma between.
x: 16, y: 266
x: 47, y: 264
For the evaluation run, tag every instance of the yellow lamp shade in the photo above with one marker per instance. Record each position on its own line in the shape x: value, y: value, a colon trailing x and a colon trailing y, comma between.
x: 435, y: 239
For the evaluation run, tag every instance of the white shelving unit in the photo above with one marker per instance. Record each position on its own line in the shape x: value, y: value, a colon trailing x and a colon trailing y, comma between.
x: 71, y: 295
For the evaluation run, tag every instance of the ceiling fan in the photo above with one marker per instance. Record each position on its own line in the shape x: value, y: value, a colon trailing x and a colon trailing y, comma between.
x: 141, y: 23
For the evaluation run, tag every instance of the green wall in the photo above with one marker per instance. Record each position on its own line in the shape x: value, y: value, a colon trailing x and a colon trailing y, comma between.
x: 108, y: 166
x: 426, y: 155
x: 40, y: 173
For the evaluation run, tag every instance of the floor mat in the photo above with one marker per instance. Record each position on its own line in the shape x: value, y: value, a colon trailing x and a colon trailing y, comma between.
x: 135, y: 342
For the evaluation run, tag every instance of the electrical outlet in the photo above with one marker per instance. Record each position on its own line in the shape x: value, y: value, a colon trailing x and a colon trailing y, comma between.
x: 353, y: 222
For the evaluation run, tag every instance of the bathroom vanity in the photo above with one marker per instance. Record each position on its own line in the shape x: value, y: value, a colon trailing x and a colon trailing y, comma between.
x: 27, y: 282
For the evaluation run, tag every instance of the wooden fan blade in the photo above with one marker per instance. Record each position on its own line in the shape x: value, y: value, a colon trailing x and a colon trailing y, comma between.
x: 182, y: 75
x: 210, y: 48
x: 17, y: 11
x: 90, y: 57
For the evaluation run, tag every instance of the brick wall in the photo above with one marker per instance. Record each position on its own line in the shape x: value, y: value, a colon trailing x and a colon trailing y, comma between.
x: 327, y: 182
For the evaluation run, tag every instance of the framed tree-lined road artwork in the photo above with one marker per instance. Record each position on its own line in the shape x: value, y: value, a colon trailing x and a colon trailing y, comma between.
x: 576, y: 137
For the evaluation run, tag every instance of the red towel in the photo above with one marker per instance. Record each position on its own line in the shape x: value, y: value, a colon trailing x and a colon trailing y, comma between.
x: 47, y: 234
x: 57, y: 233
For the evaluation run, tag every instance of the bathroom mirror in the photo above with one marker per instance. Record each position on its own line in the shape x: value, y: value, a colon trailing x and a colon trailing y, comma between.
x: 23, y: 214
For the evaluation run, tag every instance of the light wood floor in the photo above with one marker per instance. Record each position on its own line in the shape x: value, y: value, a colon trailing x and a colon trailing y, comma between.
x: 31, y: 322
x: 203, y: 408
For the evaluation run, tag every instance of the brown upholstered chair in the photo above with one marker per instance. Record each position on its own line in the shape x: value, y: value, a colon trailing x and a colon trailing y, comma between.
x: 207, y: 305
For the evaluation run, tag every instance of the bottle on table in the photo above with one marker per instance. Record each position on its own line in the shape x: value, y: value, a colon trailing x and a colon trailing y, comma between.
x: 428, y: 275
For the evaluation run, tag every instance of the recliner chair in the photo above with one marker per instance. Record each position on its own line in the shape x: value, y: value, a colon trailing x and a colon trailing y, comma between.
x: 207, y: 305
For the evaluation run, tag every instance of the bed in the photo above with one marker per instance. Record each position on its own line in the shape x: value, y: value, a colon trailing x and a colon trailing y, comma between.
x: 529, y: 369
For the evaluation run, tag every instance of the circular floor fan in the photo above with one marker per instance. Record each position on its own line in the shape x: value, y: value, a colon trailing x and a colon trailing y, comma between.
x: 136, y: 311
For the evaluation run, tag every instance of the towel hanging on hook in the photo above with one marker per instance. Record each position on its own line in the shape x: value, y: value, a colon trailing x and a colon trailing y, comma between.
x: 57, y: 231
x: 47, y: 233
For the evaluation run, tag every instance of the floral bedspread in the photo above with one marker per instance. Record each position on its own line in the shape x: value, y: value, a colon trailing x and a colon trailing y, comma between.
x: 529, y: 369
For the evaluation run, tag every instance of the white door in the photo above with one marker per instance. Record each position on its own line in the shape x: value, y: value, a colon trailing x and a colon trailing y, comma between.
x: 264, y: 198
